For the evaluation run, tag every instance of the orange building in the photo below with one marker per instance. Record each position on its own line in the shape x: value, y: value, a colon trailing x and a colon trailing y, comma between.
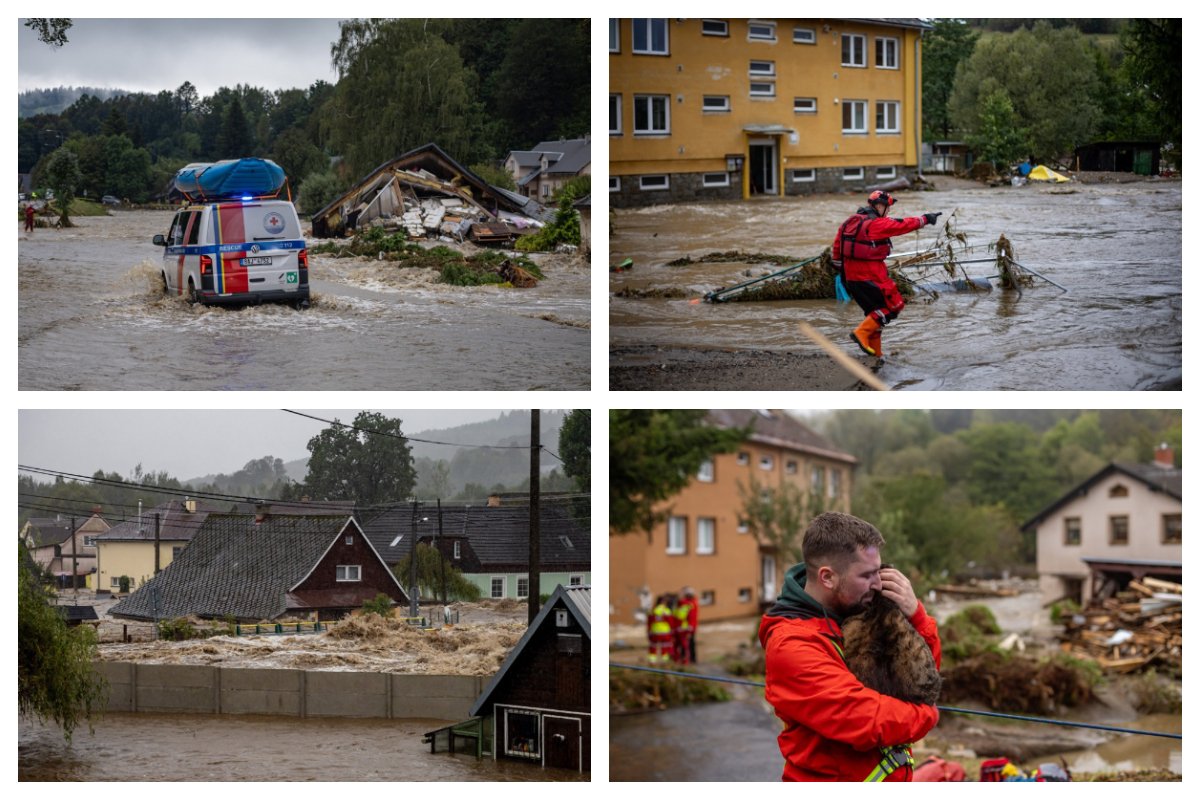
x: 706, y: 543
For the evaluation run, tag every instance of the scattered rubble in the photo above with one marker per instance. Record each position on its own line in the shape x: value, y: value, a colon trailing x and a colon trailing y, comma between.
x: 1137, y: 628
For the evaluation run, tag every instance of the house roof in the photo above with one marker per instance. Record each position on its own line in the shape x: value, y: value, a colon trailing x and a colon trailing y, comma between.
x: 175, y: 524
x: 572, y: 155
x: 499, y: 535
x: 235, y: 566
x: 45, y: 531
x: 910, y: 22
x: 76, y: 613
x: 1155, y: 478
x: 577, y: 601
x: 780, y: 429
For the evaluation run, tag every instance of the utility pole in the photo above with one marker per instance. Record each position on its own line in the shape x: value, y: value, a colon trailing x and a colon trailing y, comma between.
x: 157, y: 569
x: 535, y: 499
x: 442, y: 555
x: 414, y: 608
x: 74, y: 565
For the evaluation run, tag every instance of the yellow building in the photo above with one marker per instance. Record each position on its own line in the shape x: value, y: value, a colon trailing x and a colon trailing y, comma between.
x: 130, y: 549
x: 732, y: 108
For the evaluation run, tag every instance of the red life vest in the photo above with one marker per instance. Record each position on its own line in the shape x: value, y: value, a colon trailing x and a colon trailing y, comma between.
x: 860, y: 249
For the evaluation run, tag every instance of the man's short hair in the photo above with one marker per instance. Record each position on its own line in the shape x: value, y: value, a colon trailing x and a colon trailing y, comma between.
x: 834, y: 539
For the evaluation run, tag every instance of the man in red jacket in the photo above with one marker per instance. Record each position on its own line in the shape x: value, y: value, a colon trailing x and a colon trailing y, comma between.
x: 862, y: 243
x: 835, y: 728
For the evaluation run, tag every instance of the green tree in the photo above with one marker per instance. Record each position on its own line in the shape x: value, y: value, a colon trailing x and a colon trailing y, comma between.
x: 235, y: 139
x: 63, y: 176
x: 55, y: 678
x: 652, y: 454
x: 540, y: 87
x: 1049, y: 76
x: 949, y: 43
x: 50, y: 30
x: 320, y: 190
x: 575, y: 447
x: 1154, y: 62
x: 998, y: 138
x: 435, y: 481
x: 432, y: 567
x: 495, y: 176
x: 369, y: 462
x: 778, y: 515
x: 298, y: 156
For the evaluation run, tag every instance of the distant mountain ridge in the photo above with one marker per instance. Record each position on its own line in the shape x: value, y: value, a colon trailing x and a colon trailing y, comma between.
x: 54, y: 101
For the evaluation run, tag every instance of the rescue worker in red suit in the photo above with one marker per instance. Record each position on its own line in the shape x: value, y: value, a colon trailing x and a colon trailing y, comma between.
x: 687, y: 614
x: 862, y: 243
x: 835, y: 728
x: 660, y: 628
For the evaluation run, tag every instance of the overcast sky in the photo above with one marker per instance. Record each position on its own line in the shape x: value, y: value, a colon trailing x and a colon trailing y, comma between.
x: 148, y: 55
x: 191, y: 443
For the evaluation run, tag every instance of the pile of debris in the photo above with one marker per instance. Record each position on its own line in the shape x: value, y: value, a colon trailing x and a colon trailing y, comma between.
x: 1137, y: 628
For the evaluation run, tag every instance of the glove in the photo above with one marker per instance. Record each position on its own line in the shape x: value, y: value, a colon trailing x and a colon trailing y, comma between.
x: 931, y: 218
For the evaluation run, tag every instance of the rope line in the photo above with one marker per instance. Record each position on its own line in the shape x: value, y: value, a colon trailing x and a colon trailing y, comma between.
x: 951, y: 709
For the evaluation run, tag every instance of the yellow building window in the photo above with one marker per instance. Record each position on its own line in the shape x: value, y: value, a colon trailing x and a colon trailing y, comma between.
x: 650, y: 37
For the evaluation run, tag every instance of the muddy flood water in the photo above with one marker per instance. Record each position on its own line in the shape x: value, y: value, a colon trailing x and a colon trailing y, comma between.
x: 1116, y: 247
x: 91, y: 318
x: 203, y: 747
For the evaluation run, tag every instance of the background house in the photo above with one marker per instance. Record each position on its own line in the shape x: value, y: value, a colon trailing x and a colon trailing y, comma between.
x: 545, y: 169
x: 490, y: 544
x: 128, y: 549
x: 705, y: 541
x: 1124, y: 522
x: 730, y: 108
x: 261, y: 567
x: 62, y: 552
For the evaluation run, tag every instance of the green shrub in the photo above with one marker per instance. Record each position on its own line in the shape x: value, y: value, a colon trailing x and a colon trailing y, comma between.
x: 1063, y: 610
x: 381, y: 605
x: 178, y: 630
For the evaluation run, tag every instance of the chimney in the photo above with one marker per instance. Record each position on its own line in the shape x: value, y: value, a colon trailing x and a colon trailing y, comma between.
x: 493, y: 501
x: 261, y: 512
x: 1164, y: 456
x: 189, y: 505
x: 97, y: 509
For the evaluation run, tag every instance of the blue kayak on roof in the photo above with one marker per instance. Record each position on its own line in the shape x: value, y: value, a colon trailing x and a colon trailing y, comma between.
x: 235, y: 178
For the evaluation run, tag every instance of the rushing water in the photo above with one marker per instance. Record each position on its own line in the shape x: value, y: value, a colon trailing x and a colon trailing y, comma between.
x: 1116, y: 247
x: 205, y: 747
x: 91, y: 317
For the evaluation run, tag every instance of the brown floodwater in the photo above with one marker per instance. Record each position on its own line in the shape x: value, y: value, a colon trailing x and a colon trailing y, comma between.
x: 90, y: 317
x: 206, y: 747
x: 1116, y: 247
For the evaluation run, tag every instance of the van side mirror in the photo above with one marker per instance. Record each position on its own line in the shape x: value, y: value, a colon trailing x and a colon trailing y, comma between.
x: 160, y: 240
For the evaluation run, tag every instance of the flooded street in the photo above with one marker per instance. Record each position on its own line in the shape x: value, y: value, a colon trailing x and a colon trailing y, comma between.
x: 91, y: 318
x: 1116, y: 247
x: 153, y: 747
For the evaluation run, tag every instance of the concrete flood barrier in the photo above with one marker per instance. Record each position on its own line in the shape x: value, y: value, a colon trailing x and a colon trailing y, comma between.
x: 188, y: 689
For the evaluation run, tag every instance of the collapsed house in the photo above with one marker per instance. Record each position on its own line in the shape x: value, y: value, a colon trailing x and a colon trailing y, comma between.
x: 428, y: 194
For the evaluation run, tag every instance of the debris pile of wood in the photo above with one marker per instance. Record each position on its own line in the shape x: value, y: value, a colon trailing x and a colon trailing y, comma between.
x: 1137, y: 628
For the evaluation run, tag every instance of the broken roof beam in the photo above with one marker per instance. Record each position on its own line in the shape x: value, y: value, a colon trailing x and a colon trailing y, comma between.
x: 443, y: 187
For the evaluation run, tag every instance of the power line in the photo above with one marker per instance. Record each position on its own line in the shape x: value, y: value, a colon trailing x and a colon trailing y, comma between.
x: 406, y: 438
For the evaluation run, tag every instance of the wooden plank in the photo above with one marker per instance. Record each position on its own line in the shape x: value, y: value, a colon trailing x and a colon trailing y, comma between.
x: 846, y: 362
x: 1163, y: 586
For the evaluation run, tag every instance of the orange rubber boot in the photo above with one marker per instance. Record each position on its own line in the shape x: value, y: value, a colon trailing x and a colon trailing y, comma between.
x: 876, y: 343
x: 864, y: 333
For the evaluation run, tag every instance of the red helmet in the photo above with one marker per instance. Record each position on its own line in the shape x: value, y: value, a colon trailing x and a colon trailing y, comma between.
x: 880, y: 196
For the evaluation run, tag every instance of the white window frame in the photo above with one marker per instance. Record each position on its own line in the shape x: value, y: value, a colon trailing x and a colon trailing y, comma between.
x: 817, y: 479
x: 575, y: 580
x: 862, y: 40
x: 883, y: 106
x: 766, y: 463
x: 895, y: 52
x: 714, y: 179
x: 835, y: 482
x: 520, y: 578
x: 852, y: 173
x: 349, y: 538
x: 614, y: 183
x: 745, y: 595
x: 706, y: 536
x: 648, y: 48
x: 766, y: 34
x: 643, y: 186
x: 723, y: 106
x: 762, y: 89
x: 708, y: 597
x: 614, y: 35
x: 458, y: 550
x: 810, y: 105
x: 492, y: 587
x: 649, y: 100
x: 743, y: 525
x: 743, y: 458
x: 676, y: 536
x: 804, y: 175
x: 798, y: 39
x: 723, y: 23
x: 706, y: 472
x: 885, y: 172
x: 762, y: 72
x: 344, y: 571
x: 861, y: 105
x: 114, y: 582
x: 619, y: 129
x: 89, y: 541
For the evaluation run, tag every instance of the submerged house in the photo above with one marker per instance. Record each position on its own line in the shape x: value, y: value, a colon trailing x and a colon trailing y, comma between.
x: 537, y: 708
x: 427, y: 193
x: 262, y: 567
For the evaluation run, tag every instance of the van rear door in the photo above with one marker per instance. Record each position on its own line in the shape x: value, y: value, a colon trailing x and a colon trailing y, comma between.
x: 259, y: 246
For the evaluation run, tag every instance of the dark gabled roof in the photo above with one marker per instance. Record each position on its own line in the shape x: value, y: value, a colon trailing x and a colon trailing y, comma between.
x: 1157, y: 479
x: 304, y: 508
x: 237, y: 567
x: 568, y: 156
x: 499, y: 535
x: 76, y: 613
x: 45, y: 531
x: 780, y: 429
x: 176, y: 523
x: 577, y: 600
x: 909, y: 22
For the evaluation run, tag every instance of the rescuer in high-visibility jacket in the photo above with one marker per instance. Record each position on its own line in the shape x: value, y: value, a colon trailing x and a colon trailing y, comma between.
x: 862, y: 243
x: 660, y: 628
x: 835, y: 728
x: 687, y: 615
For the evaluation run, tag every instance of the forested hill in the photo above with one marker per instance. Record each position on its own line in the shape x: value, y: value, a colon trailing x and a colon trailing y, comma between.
x: 59, y: 99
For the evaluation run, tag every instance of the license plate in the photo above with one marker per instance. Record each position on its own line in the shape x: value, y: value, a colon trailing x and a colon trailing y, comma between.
x: 257, y: 261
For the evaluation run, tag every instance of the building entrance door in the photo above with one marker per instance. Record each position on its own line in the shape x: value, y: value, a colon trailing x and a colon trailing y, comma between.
x: 763, y: 166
